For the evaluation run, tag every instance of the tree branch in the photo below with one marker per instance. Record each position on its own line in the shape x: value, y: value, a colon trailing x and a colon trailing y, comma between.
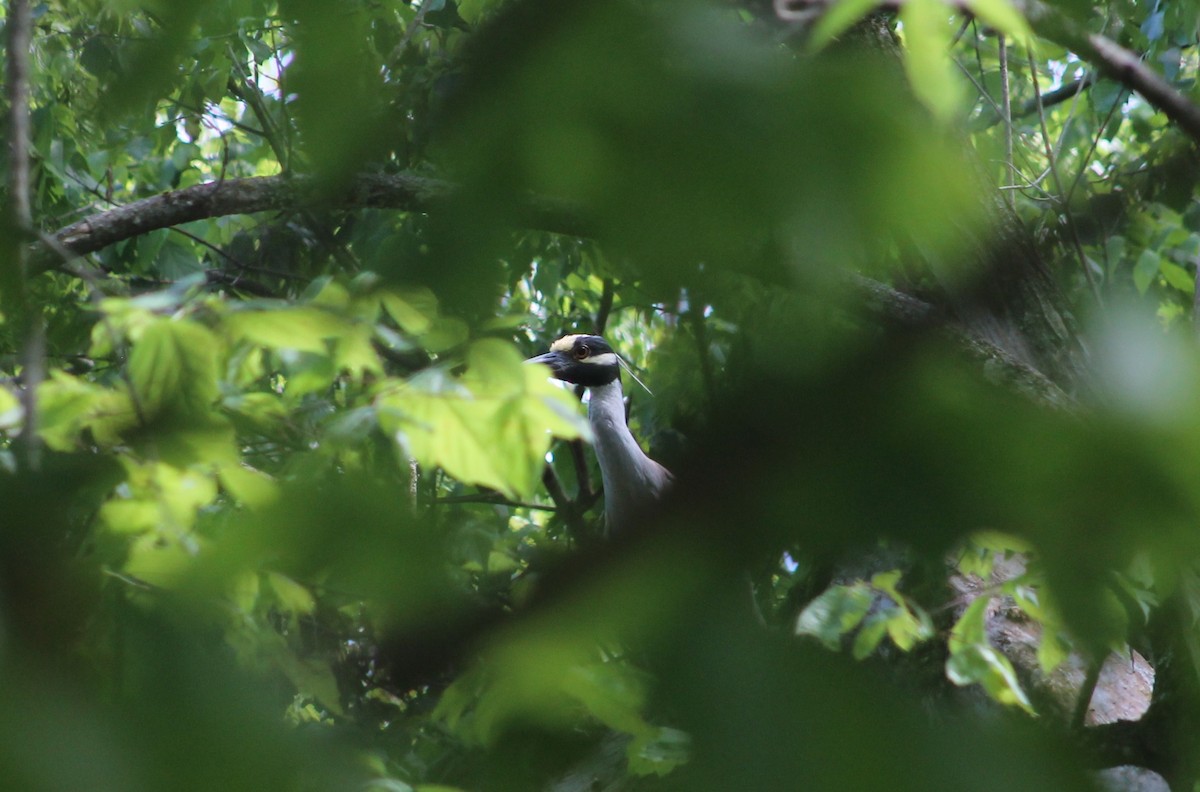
x: 19, y: 34
x: 408, y: 192
x: 14, y: 281
x: 1109, y: 57
x: 1063, y: 93
x: 402, y: 191
x: 903, y: 310
x: 1119, y: 64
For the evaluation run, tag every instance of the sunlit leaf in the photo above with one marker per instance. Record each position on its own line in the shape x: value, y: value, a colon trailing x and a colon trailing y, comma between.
x: 838, y: 18
x: 1146, y: 269
x: 1004, y: 17
x: 173, y: 367
x: 836, y: 612
x: 306, y: 329
x: 974, y: 661
x: 493, y: 427
x: 927, y: 57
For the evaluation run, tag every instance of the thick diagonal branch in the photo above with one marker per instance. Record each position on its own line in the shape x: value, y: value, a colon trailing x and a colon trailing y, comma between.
x: 403, y: 191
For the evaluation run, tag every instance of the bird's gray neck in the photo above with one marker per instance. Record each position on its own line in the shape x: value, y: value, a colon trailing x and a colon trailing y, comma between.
x: 606, y: 412
x: 616, y: 450
x: 631, y: 479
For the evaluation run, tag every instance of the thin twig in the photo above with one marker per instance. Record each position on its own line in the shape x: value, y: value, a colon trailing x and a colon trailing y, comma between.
x: 129, y: 580
x: 1066, y: 210
x: 409, y: 31
x: 571, y: 511
x: 1063, y: 93
x: 1091, y: 149
x: 241, y: 87
x: 492, y: 500
x: 1006, y: 113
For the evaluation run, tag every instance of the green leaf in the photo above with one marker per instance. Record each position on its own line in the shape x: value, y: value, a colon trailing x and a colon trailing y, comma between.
x: 160, y: 561
x: 354, y: 351
x: 173, y: 367
x: 68, y: 406
x: 1177, y: 276
x: 492, y: 427
x: 414, y: 310
x: 659, y: 752
x: 244, y: 592
x: 984, y: 665
x: 971, y: 627
x: 11, y: 413
x: 974, y: 661
x: 1052, y: 650
x: 1114, y: 250
x: 869, y: 636
x: 610, y: 692
x: 312, y: 678
x: 499, y: 562
x: 1145, y: 270
x: 927, y: 38
x: 1002, y: 15
x: 836, y: 612
x: 907, y: 629
x: 999, y: 542
x: 291, y: 596
x: 131, y: 516
x: 837, y: 19
x: 305, y: 329
x: 887, y: 582
x: 251, y: 488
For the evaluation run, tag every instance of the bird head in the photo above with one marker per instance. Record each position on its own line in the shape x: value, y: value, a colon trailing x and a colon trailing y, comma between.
x: 581, y: 360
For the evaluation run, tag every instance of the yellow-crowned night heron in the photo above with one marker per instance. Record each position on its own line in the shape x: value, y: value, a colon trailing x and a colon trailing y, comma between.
x: 631, y: 479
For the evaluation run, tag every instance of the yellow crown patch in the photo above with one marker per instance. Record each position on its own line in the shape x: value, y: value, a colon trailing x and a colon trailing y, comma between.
x: 565, y: 343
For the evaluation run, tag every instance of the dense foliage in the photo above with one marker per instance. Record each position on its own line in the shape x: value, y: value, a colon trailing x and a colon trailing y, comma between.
x: 912, y: 286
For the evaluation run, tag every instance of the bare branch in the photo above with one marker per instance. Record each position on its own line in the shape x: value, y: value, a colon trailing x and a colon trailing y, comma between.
x: 19, y: 35
x: 1119, y: 64
x: 403, y: 191
x: 16, y: 277
x: 1111, y: 58
x: 1064, y: 93
x: 1006, y: 112
x: 1052, y: 164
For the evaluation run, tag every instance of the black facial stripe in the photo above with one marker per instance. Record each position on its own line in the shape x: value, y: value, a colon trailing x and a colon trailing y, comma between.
x: 590, y: 375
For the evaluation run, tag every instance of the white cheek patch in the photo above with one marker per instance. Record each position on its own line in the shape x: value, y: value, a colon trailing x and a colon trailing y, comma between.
x: 607, y: 359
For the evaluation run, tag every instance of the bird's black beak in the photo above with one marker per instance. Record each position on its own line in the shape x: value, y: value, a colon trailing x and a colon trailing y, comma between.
x: 557, y: 361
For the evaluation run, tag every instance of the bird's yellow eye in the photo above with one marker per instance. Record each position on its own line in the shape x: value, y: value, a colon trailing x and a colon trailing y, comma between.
x: 581, y: 352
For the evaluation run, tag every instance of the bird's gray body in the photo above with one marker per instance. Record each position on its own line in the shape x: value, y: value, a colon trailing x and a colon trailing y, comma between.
x: 632, y: 480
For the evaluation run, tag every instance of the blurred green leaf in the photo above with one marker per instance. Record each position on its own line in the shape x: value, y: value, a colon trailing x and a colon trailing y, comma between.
x: 835, y: 613
x: 173, y: 368
x: 974, y: 661
x: 492, y: 427
x: 1146, y: 269
x: 927, y: 57
x: 837, y: 19
x: 1004, y: 17
x: 302, y: 328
